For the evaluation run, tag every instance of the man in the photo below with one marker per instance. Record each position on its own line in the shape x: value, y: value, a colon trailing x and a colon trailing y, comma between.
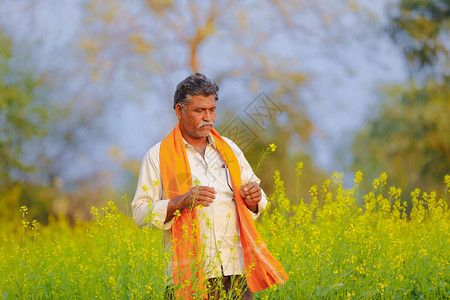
x: 201, y: 196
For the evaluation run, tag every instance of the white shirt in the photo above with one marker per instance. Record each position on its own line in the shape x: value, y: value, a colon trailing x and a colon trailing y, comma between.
x: 219, y: 227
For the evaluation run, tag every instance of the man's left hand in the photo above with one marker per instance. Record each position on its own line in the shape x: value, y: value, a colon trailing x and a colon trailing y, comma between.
x: 251, y: 193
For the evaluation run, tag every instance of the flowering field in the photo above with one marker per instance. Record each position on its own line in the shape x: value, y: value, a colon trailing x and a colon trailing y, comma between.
x: 331, y: 247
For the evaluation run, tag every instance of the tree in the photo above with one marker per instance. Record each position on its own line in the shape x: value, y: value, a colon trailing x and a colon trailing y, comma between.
x: 21, y: 118
x: 422, y: 27
x: 409, y: 138
x: 230, y: 41
x: 409, y: 135
x: 138, y: 49
x: 22, y: 122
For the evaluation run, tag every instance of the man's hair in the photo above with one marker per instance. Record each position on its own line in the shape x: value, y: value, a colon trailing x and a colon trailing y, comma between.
x: 194, y: 85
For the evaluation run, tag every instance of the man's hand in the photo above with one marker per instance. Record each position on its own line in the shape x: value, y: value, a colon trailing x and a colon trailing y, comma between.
x: 251, y: 193
x: 198, y: 195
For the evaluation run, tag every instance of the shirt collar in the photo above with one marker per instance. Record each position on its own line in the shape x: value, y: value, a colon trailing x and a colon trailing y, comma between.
x: 209, y: 138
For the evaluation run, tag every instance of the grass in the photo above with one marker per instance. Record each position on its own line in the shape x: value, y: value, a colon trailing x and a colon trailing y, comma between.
x: 331, y: 247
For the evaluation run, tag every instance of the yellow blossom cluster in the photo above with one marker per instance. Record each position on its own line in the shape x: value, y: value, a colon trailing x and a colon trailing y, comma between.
x: 334, y: 244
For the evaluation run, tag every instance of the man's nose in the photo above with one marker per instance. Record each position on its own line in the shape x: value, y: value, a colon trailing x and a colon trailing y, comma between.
x: 207, y: 116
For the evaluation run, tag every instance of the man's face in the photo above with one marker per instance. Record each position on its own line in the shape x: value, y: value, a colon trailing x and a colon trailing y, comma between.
x: 201, y: 110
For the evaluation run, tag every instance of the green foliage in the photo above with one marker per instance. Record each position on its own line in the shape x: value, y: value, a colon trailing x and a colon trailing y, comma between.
x: 423, y: 29
x: 410, y: 137
x: 23, y: 123
x: 21, y: 119
x: 331, y: 248
x: 409, y: 134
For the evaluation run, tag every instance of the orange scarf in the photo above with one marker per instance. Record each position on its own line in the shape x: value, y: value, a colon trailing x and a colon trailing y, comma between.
x: 261, y: 268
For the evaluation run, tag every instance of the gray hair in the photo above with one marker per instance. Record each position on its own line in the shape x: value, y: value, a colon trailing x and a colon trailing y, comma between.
x: 194, y: 85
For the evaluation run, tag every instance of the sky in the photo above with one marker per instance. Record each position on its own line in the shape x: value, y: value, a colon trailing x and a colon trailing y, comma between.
x: 346, y: 64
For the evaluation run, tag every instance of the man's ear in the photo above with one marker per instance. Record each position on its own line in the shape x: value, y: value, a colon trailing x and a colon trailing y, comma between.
x: 179, y: 110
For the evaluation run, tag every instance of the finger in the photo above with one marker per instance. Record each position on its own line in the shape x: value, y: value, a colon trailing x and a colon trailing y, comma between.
x: 252, y: 190
x: 253, y: 186
x: 256, y: 198
x: 206, y: 194
x: 251, y: 201
x: 254, y: 194
x: 203, y: 203
x: 202, y: 188
x: 205, y: 198
x: 208, y: 189
x: 201, y: 196
x: 248, y: 186
x: 203, y: 192
x: 245, y: 190
x: 255, y: 191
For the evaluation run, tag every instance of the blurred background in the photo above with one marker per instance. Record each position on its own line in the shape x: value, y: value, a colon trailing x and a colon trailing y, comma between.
x: 86, y: 88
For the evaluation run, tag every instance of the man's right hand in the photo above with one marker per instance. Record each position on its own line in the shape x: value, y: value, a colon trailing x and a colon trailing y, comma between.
x: 198, y: 195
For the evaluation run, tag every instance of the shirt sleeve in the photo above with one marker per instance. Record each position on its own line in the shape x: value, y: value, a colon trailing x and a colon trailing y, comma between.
x: 247, y: 174
x: 149, y: 206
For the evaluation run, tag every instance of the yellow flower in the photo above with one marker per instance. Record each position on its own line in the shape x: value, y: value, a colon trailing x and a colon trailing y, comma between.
x: 358, y: 177
x: 447, y: 180
x: 261, y: 159
x: 299, y: 168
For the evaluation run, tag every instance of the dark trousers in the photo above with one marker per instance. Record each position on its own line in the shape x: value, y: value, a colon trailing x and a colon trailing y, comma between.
x: 233, y: 287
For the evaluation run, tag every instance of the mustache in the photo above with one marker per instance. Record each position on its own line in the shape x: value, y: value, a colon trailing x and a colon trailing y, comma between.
x: 203, y: 123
